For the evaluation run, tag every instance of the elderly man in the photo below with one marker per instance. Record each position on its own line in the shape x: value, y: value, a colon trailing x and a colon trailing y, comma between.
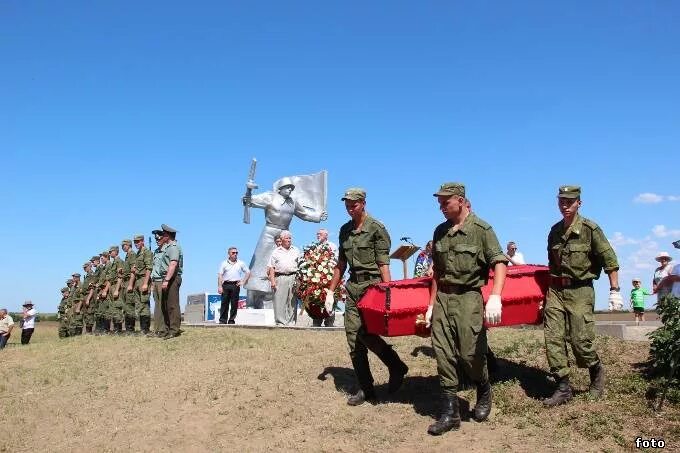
x: 233, y: 273
x: 514, y: 257
x: 167, y: 276
x: 6, y: 326
x: 322, y: 238
x: 281, y: 270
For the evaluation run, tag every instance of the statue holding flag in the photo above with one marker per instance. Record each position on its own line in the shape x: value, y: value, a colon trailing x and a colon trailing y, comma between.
x: 302, y: 196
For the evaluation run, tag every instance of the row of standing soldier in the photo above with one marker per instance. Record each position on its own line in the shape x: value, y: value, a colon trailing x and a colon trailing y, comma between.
x: 114, y: 291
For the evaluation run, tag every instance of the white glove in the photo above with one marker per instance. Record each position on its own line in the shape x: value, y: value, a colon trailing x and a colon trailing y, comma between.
x: 615, y: 300
x: 428, y: 317
x: 329, y: 302
x: 492, y: 310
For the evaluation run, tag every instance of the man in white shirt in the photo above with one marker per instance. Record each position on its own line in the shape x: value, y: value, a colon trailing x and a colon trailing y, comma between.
x: 6, y: 326
x: 281, y: 270
x: 514, y: 257
x: 322, y: 237
x: 29, y: 322
x: 232, y: 275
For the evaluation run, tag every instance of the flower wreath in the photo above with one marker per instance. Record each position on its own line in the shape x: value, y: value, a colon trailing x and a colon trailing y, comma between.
x: 314, y: 274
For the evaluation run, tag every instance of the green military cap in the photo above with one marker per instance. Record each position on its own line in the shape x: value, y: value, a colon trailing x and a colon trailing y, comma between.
x: 65, y: 289
x: 87, y: 263
x: 69, y: 281
x: 354, y: 194
x: 104, y: 253
x: 165, y: 229
x: 451, y: 188
x: 114, y: 247
x: 138, y: 237
x: 125, y: 241
x: 75, y: 274
x: 94, y: 258
x: 569, y: 192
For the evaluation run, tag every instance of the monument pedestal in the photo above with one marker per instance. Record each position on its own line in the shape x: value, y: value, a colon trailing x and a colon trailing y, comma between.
x: 255, y: 316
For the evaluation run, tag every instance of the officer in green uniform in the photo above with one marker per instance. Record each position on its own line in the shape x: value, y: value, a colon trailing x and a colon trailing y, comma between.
x: 62, y: 312
x: 76, y: 299
x: 142, y: 282
x: 577, y: 252
x: 90, y: 298
x: 128, y: 287
x: 465, y: 248
x: 117, y: 291
x: 100, y: 314
x: 169, y: 267
x: 365, y: 248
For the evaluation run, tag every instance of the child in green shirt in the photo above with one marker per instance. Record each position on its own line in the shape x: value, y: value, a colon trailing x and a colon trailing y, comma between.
x: 637, y: 300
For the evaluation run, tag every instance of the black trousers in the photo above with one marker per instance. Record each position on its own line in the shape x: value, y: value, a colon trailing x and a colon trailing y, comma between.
x: 26, y: 335
x: 229, y: 306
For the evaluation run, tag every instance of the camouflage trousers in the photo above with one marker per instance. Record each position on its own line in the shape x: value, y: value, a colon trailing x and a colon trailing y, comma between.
x: 88, y: 316
x: 459, y: 339
x: 569, y: 319
x: 142, y: 300
x: 76, y: 323
x: 115, y: 308
x: 63, y: 326
x: 129, y: 304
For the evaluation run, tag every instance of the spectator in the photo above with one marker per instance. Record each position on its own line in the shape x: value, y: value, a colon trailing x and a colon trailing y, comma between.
x: 281, y: 269
x: 637, y: 300
x: 424, y: 262
x: 322, y: 237
x: 672, y: 280
x: 29, y: 322
x: 6, y: 326
x: 232, y: 275
x: 514, y: 257
x: 660, y: 272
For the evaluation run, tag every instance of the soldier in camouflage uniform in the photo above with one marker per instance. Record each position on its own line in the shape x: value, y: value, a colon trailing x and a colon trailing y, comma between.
x: 90, y: 299
x: 365, y: 248
x: 116, y: 291
x: 62, y: 313
x: 142, y: 274
x: 577, y: 252
x: 129, y: 308
x: 76, y: 298
x: 100, y: 313
x: 465, y: 248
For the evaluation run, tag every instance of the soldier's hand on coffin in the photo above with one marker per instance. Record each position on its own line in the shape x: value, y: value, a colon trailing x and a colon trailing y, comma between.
x: 615, y: 299
x: 428, y: 317
x: 492, y: 309
x: 330, y: 301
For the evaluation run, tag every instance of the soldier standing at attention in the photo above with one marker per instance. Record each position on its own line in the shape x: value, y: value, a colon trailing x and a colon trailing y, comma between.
x: 102, y: 324
x: 365, y: 248
x: 465, y: 248
x: 141, y: 271
x: 577, y: 252
x: 170, y: 270
x: 159, y: 327
x: 116, y: 289
x: 76, y: 298
x: 62, y: 313
x: 90, y: 295
x: 127, y: 288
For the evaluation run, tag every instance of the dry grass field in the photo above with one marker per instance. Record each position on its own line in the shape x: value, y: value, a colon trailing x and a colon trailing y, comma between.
x: 231, y: 389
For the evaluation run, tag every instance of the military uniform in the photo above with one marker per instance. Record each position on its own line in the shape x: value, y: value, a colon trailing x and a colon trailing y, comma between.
x: 62, y: 311
x: 160, y: 329
x: 576, y: 257
x: 143, y: 263
x: 364, y: 251
x: 102, y: 308
x: 89, y: 285
x: 114, y: 276
x: 129, y: 312
x: 76, y: 298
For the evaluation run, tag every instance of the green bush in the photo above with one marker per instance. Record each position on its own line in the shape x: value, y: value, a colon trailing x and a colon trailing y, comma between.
x: 664, y: 351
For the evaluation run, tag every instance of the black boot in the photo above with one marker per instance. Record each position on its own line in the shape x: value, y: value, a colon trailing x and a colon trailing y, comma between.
x: 129, y: 325
x: 483, y: 406
x: 397, y: 368
x: 363, y: 373
x: 491, y: 362
x: 449, y: 418
x: 596, y: 380
x: 88, y: 330
x: 144, y: 324
x: 562, y: 395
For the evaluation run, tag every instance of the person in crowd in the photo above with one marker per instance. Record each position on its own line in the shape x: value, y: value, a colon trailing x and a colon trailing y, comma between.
x: 167, y: 272
x: 231, y: 276
x: 672, y: 280
x: 6, y: 326
x: 127, y: 287
x: 664, y: 270
x: 637, y: 300
x: 140, y: 279
x: 322, y: 238
x: 365, y: 249
x: 466, y: 249
x: 514, y: 257
x: 578, y: 250
x: 424, y: 262
x: 28, y: 325
x: 281, y: 270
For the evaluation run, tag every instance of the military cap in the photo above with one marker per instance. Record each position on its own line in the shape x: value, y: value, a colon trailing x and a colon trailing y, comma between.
x: 125, y: 241
x: 138, y: 237
x: 75, y: 274
x: 114, y: 247
x: 354, y: 194
x: 104, y: 253
x: 65, y: 289
x: 87, y: 263
x: 451, y: 188
x: 165, y: 229
x: 94, y: 258
x: 569, y: 192
x: 69, y: 281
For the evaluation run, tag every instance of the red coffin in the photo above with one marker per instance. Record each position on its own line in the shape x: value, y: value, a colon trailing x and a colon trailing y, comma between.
x: 390, y: 309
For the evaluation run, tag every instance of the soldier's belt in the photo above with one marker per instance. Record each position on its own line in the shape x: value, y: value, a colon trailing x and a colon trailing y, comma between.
x: 363, y: 277
x: 568, y: 283
x: 454, y: 288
